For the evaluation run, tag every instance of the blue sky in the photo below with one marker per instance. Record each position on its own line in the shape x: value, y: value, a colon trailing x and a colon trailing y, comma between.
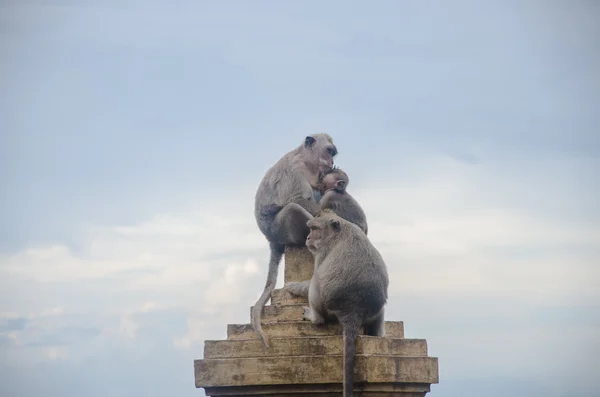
x: 134, y: 135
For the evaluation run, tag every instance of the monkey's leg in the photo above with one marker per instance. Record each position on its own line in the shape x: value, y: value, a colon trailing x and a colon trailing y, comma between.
x: 298, y: 288
x: 289, y: 225
x: 376, y: 325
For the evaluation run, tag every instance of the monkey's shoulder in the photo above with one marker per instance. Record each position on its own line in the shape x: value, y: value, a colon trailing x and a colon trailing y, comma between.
x: 356, y: 270
x: 349, y: 200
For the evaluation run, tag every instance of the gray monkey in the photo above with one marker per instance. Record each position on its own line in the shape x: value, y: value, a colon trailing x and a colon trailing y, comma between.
x: 285, y: 201
x: 332, y: 186
x: 349, y: 282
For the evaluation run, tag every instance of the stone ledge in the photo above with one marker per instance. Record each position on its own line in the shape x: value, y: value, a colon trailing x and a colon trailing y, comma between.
x: 393, y: 329
x: 301, y: 370
x: 306, y: 360
x: 282, y: 298
x: 324, y: 390
x: 316, y: 345
x: 280, y: 313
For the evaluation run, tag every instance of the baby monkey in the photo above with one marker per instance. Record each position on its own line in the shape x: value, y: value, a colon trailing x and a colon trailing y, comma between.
x: 332, y: 187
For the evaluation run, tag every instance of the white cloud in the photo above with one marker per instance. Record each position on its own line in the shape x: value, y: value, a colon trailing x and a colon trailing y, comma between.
x: 128, y: 326
x: 196, y: 324
x: 166, y: 251
x: 56, y: 353
x: 178, y: 279
x: 432, y: 240
x: 462, y: 255
x: 54, y: 311
x: 251, y: 267
x: 192, y: 265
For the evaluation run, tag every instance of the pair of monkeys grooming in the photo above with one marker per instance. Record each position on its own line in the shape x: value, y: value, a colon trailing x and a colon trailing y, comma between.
x: 331, y: 187
x: 350, y: 279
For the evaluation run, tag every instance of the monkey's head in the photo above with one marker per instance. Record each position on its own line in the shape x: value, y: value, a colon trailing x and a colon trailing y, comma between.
x: 319, y: 152
x: 324, y: 228
x: 334, y: 179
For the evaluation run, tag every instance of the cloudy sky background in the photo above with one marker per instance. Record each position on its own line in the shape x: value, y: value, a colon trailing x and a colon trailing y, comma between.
x: 134, y: 135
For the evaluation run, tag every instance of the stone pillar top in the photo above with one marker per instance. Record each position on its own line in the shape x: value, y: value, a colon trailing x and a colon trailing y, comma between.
x: 299, y: 263
x: 307, y: 360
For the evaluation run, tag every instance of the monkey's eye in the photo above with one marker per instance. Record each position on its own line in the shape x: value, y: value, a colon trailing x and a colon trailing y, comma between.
x: 331, y: 151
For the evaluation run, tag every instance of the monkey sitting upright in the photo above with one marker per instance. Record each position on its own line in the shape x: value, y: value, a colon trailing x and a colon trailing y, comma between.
x: 349, y: 282
x: 284, y: 202
x: 332, y: 186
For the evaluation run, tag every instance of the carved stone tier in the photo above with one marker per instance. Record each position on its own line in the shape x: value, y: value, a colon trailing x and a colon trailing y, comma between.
x: 307, y: 360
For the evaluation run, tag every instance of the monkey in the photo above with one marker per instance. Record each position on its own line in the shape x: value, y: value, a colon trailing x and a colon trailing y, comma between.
x: 350, y: 282
x: 332, y: 186
x: 331, y: 193
x: 285, y: 201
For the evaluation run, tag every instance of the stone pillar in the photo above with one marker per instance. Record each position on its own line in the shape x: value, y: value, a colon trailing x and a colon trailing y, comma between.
x: 306, y: 360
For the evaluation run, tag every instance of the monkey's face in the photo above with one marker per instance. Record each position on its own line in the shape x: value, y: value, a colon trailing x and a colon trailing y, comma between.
x: 337, y: 180
x: 322, y: 231
x: 320, y: 152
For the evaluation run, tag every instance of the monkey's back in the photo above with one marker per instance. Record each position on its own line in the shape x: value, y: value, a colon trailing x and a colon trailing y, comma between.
x: 269, y: 190
x: 353, y: 274
x: 282, y: 184
x: 346, y: 206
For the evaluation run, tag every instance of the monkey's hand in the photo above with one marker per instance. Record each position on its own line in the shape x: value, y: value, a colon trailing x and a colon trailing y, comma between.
x: 312, y: 316
x: 306, y: 313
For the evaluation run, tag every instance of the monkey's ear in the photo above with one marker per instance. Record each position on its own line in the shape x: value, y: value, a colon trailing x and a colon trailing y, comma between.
x: 309, y: 140
x: 340, y: 185
x: 335, y: 225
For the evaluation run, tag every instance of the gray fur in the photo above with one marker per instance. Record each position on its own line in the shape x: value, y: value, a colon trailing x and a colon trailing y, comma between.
x: 340, y: 201
x: 350, y: 281
x: 298, y: 288
x: 285, y: 202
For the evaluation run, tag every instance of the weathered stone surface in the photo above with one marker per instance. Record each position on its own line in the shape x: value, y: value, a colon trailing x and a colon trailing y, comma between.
x: 299, y: 264
x: 280, y: 313
x: 313, y: 369
x: 282, y: 298
x: 324, y: 390
x: 306, y: 360
x: 393, y: 329
x: 314, y: 345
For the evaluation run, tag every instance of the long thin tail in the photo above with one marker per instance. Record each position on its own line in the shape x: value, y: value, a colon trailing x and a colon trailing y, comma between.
x: 351, y: 325
x: 277, y: 251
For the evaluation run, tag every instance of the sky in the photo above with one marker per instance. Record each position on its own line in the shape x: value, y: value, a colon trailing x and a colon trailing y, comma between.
x: 134, y: 135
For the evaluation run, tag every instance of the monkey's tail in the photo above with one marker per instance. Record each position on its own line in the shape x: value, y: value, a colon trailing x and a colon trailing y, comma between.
x: 277, y: 251
x: 351, y: 326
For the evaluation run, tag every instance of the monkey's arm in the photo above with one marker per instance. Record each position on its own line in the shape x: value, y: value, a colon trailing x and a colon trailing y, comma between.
x: 326, y: 200
x: 310, y: 205
x: 306, y: 199
x: 270, y: 210
x: 334, y: 201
